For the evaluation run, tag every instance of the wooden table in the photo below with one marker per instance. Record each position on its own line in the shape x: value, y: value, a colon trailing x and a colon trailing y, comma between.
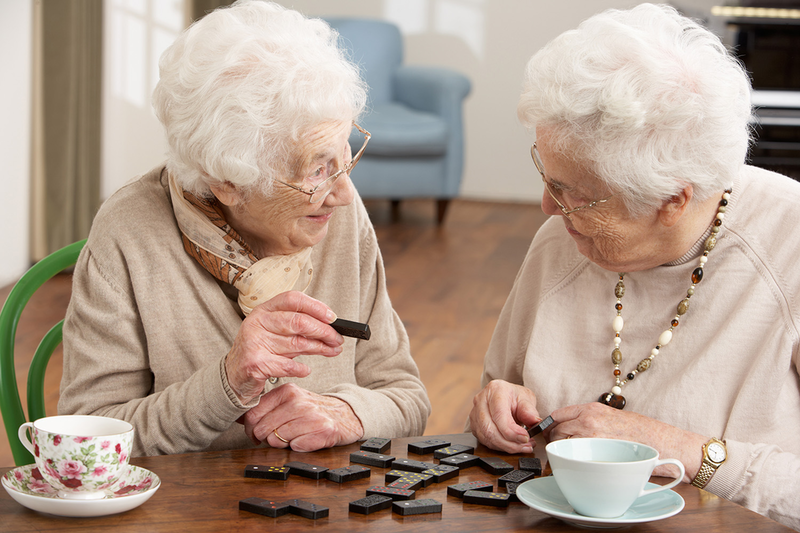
x: 201, y: 492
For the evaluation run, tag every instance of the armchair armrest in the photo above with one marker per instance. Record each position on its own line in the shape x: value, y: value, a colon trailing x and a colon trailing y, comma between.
x: 432, y: 89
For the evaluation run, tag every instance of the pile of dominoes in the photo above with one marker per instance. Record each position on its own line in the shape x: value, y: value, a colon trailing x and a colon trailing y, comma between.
x: 403, y: 479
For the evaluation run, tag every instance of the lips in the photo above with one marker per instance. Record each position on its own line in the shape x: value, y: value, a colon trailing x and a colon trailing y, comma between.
x: 322, y: 217
x: 571, y: 230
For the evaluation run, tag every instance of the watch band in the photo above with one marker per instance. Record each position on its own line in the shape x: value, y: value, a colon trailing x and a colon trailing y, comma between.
x: 703, y: 475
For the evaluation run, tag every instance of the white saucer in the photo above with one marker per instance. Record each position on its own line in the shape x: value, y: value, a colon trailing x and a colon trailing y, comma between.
x: 25, y: 485
x: 544, y: 495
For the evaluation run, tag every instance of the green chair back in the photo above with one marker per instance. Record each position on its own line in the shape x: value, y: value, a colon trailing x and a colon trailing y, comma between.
x: 10, y: 402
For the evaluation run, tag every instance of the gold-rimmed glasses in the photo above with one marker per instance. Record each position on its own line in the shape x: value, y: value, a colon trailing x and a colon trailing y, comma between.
x: 537, y: 161
x: 321, y: 190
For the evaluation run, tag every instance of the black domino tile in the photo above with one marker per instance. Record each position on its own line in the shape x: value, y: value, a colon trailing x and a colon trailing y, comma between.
x: 307, y: 509
x: 495, y: 499
x: 495, y: 465
x: 263, y: 507
x: 394, y: 475
x: 442, y: 472
x: 426, y: 446
x: 392, y: 492
x: 462, y: 460
x: 371, y: 504
x: 406, y: 483
x: 371, y: 459
x: 511, y: 490
x: 297, y: 468
x: 376, y: 445
x: 348, y: 473
x: 266, y: 472
x: 410, y: 465
x: 532, y: 464
x: 515, y: 476
x: 412, y: 507
x: 459, y: 489
x: 453, y: 449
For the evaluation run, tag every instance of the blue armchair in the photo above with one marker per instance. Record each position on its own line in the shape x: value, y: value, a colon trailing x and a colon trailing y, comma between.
x: 414, y: 115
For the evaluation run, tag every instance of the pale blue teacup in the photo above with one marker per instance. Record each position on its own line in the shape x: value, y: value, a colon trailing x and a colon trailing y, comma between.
x: 603, y: 477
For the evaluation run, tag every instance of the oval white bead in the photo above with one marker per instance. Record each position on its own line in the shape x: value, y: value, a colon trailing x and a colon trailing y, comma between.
x: 664, y: 338
x: 616, y: 390
x: 617, y: 324
x: 654, y: 351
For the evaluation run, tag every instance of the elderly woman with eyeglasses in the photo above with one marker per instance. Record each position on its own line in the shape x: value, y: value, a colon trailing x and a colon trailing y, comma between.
x: 661, y: 301
x: 205, y: 293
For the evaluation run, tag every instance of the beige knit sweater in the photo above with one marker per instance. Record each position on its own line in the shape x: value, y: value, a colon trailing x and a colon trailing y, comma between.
x: 731, y: 369
x: 147, y: 331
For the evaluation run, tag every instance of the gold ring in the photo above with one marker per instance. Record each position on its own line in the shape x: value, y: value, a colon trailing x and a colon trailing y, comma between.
x: 279, y: 437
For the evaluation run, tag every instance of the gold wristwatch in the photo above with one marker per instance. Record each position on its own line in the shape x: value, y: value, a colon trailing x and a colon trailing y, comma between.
x: 714, y: 454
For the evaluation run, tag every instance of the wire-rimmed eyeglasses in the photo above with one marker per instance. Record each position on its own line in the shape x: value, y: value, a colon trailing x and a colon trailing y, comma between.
x: 321, y: 191
x: 537, y: 161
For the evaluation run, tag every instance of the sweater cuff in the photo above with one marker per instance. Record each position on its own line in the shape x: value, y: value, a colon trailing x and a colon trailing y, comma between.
x: 230, y: 397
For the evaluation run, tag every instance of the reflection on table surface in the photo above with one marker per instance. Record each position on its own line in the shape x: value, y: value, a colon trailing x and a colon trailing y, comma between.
x: 201, y: 492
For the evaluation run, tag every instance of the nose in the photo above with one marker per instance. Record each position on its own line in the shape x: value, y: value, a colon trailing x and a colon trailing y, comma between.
x: 342, y: 193
x: 549, y: 206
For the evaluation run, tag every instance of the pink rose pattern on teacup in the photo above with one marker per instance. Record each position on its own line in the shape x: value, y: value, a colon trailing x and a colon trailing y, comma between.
x: 81, y: 463
x: 28, y: 480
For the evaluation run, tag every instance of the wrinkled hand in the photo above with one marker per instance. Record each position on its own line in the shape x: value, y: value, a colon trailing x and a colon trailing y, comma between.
x: 307, y: 420
x: 497, y: 412
x: 598, y: 420
x: 274, y: 333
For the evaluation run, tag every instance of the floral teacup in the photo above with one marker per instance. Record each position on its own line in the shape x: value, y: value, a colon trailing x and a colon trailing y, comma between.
x: 79, y: 456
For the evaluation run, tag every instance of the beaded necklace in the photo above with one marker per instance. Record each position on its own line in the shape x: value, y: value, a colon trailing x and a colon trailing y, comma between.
x: 615, y: 398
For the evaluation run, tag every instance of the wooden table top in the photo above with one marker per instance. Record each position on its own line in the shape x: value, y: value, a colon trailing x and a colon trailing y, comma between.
x: 201, y: 492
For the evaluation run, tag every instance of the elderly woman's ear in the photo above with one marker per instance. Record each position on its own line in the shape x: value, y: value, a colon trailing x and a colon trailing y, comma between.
x: 227, y: 193
x: 675, y: 206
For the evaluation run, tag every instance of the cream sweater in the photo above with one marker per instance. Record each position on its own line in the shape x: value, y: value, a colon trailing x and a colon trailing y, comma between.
x: 731, y: 370
x: 147, y: 331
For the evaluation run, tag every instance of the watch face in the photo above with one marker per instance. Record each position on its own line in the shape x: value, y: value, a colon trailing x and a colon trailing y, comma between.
x: 716, y: 452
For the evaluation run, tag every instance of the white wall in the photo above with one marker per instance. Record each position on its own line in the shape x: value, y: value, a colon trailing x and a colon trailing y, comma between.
x: 16, y: 38
x: 136, y: 33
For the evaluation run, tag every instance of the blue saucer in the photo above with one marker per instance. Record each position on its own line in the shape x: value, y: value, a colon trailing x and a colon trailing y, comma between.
x: 544, y: 495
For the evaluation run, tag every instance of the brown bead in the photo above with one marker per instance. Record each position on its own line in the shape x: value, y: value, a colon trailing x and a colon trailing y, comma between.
x: 711, y: 242
x: 616, y: 356
x: 683, y: 306
x: 697, y: 275
x: 717, y: 222
x: 619, y: 290
x: 617, y: 372
x: 674, y: 322
x: 617, y: 401
x: 618, y: 307
x: 643, y: 365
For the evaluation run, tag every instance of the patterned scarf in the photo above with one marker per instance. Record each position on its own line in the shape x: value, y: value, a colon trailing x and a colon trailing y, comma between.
x: 221, y: 251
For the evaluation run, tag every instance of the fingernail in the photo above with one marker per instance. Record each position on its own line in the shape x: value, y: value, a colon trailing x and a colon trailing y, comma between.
x: 523, y: 439
x: 331, y: 316
x: 527, y: 449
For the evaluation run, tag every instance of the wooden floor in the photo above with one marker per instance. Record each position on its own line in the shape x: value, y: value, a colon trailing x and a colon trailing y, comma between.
x: 447, y: 283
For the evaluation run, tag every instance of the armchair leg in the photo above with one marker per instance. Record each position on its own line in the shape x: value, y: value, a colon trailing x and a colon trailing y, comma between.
x: 441, y: 210
x: 395, y: 210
